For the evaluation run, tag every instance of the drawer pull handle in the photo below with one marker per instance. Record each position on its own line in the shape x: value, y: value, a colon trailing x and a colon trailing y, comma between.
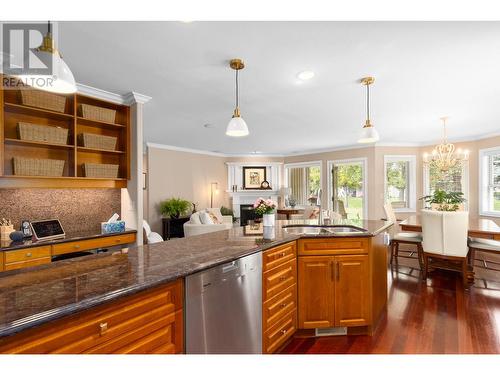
x: 283, y: 331
x: 118, y: 241
x: 76, y: 246
x: 103, y: 328
x: 28, y: 255
x: 282, y: 255
x: 282, y: 278
x: 283, y: 305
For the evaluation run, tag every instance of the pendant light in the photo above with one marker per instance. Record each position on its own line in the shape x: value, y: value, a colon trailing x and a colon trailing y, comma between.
x: 369, y: 134
x: 237, y: 127
x: 62, y: 80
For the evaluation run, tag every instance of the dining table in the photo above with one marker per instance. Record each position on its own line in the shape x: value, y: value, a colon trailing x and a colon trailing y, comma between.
x: 478, y: 227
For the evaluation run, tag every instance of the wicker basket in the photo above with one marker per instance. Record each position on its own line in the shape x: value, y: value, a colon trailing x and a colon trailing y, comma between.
x: 42, y: 133
x: 45, y: 100
x: 101, y: 142
x: 91, y: 112
x: 100, y: 170
x: 38, y: 167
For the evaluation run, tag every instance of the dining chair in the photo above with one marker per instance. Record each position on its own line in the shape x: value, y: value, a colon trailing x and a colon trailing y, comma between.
x: 150, y: 236
x: 485, y: 246
x: 341, y: 209
x: 444, y: 241
x: 397, y: 238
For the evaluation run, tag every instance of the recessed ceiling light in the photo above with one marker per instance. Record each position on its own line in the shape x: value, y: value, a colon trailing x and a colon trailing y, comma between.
x: 305, y: 75
x: 209, y: 126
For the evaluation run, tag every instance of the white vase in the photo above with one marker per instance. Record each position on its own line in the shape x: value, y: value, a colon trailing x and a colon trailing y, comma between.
x: 268, y: 220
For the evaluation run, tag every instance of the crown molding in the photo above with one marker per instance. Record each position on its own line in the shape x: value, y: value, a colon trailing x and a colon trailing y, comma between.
x: 184, y: 149
x: 323, y: 150
x: 126, y: 99
x: 134, y: 97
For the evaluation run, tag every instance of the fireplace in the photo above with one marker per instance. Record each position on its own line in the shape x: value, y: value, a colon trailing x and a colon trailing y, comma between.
x: 247, y: 213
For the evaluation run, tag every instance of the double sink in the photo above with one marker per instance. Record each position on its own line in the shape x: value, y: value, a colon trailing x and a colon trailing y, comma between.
x: 346, y: 230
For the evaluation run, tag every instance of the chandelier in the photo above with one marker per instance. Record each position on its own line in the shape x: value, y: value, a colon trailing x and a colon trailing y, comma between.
x: 444, y: 157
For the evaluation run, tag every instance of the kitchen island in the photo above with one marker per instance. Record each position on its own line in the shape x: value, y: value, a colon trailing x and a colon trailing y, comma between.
x: 52, y: 297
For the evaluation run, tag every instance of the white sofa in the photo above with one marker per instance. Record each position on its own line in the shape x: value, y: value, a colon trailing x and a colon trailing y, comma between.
x: 195, y: 225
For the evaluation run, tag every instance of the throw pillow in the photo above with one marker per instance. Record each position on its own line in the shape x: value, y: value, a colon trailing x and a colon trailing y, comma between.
x: 217, y: 213
x: 214, y: 218
x: 195, y: 218
x: 205, y: 218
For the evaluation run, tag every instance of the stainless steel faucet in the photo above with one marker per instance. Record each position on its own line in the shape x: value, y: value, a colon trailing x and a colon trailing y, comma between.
x: 318, y: 203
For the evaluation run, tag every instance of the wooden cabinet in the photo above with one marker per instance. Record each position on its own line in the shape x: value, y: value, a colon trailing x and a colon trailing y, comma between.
x: 29, y: 257
x: 34, y: 256
x: 146, y: 322
x: 279, y: 296
x: 316, y: 291
x: 94, y: 243
x: 334, y: 290
x: 352, y: 291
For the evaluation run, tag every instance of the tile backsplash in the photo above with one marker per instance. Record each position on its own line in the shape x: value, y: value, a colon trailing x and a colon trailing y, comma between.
x: 77, y: 209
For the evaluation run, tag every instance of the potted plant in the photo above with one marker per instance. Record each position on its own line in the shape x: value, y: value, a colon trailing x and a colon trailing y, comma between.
x: 445, y: 201
x: 174, y: 207
x: 265, y: 207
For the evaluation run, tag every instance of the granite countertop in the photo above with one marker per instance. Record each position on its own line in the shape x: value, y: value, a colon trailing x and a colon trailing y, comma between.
x: 69, y: 237
x: 30, y: 297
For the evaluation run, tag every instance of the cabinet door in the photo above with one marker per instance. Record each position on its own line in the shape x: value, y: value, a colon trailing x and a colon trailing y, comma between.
x: 352, y: 291
x: 316, y: 292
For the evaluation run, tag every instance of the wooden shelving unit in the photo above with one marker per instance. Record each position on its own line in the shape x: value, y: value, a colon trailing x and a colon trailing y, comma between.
x: 12, y: 111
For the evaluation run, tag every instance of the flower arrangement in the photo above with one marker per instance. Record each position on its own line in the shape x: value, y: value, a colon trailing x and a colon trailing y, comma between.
x: 264, y: 206
x: 445, y: 201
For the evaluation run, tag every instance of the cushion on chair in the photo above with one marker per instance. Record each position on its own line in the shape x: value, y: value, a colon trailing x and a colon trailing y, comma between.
x: 481, y: 243
x: 205, y: 218
x: 408, y: 236
x: 216, y: 212
x: 195, y: 218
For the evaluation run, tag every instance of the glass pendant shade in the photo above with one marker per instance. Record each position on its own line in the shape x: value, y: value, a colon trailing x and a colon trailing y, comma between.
x: 368, y: 135
x: 237, y: 127
x: 61, y: 81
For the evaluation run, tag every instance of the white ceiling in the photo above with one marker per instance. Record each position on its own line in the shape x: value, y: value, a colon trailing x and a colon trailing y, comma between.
x: 422, y: 70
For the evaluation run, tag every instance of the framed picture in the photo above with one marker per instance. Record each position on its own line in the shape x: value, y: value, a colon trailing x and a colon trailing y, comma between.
x: 253, y: 177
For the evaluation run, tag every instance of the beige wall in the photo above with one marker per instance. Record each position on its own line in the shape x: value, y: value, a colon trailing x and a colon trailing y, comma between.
x: 185, y: 175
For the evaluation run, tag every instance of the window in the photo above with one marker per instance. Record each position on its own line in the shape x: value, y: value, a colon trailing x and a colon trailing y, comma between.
x: 489, y: 182
x: 304, y: 180
x: 347, y: 187
x: 400, y: 182
x: 455, y: 179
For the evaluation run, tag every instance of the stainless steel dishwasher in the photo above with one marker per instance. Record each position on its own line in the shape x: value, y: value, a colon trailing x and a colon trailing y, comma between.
x: 224, y: 308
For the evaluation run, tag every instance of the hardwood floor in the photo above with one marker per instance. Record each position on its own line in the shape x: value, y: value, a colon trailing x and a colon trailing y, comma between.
x: 438, y: 316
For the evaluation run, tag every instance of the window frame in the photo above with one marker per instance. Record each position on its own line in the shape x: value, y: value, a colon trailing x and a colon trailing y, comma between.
x: 364, y: 163
x: 304, y: 164
x: 465, y: 182
x: 484, y: 183
x: 412, y: 180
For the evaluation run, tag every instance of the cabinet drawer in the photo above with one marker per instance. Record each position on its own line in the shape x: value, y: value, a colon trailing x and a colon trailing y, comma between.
x: 279, y: 306
x: 95, y: 243
x: 278, y: 255
x: 27, y: 254
x: 278, y: 334
x: 334, y: 246
x: 279, y: 279
x: 129, y: 319
x: 27, y: 263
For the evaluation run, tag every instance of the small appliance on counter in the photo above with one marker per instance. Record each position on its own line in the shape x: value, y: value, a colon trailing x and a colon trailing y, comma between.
x: 47, y: 229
